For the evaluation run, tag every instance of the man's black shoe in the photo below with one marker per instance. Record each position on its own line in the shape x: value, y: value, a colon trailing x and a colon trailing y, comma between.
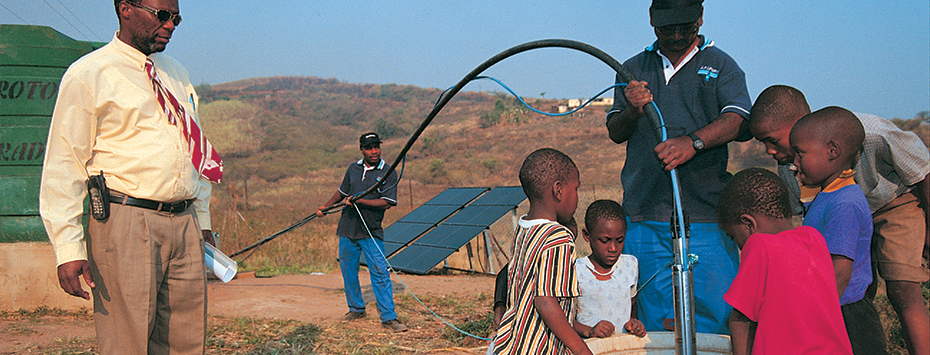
x: 394, y: 326
x: 351, y: 316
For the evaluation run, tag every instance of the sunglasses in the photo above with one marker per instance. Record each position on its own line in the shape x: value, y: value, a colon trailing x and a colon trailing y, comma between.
x: 162, y: 15
x: 685, y: 30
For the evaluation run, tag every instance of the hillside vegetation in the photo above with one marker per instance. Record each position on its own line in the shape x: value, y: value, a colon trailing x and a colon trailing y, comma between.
x: 287, y: 140
x: 286, y: 143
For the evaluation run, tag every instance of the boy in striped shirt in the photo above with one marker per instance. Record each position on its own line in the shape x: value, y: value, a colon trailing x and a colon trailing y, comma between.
x: 541, y: 281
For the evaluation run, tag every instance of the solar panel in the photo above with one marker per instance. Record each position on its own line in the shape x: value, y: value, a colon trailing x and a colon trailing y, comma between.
x: 478, y: 215
x: 457, y: 196
x: 419, y: 259
x: 482, y: 207
x: 502, y: 196
x: 390, y: 248
x: 430, y: 214
x: 404, y: 232
x: 449, y: 236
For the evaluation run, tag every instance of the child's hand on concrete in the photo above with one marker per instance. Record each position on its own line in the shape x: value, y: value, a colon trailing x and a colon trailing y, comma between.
x: 635, y: 327
x: 602, y: 329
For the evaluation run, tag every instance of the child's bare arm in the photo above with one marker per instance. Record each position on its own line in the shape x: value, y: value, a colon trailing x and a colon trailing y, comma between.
x: 499, y: 310
x: 634, y: 309
x: 581, y: 328
x: 842, y: 269
x: 551, y: 314
x: 742, y: 332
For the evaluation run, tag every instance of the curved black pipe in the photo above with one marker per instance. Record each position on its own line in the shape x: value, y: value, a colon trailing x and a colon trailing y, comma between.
x: 622, y: 72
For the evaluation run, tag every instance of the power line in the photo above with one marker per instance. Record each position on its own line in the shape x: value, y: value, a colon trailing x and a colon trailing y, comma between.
x: 65, y: 18
x: 79, y: 20
x: 14, y: 14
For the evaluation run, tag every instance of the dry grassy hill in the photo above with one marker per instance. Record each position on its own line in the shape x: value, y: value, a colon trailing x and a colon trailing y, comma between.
x: 287, y: 142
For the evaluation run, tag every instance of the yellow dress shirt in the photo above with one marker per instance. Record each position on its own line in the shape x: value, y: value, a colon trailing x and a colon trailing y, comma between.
x: 107, y: 119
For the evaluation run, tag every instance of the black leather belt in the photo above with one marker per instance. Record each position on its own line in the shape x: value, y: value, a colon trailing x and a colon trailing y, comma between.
x: 172, y: 207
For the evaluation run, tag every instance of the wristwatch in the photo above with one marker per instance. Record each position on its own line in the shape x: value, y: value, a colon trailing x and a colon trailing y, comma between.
x: 698, y: 143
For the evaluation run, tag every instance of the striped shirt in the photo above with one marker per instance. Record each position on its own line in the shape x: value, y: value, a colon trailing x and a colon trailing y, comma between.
x: 542, y: 265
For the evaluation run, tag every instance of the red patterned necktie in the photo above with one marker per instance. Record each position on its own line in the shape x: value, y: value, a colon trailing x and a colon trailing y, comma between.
x: 205, y: 159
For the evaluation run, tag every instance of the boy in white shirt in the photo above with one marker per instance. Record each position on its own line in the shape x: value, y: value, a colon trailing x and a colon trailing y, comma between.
x: 607, y: 277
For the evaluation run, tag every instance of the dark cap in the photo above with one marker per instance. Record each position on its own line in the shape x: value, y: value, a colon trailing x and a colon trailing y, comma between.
x: 673, y: 12
x: 369, y: 139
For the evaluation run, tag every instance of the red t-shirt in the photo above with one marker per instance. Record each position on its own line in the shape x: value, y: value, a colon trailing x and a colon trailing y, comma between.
x: 786, y: 284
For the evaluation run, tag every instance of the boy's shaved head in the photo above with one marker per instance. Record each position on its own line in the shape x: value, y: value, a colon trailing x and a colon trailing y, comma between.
x: 753, y: 191
x: 778, y: 106
x: 542, y: 168
x: 602, y: 210
x: 836, y: 124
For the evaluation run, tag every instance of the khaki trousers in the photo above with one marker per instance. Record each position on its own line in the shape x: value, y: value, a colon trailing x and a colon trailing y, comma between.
x: 150, y: 295
x: 898, y: 240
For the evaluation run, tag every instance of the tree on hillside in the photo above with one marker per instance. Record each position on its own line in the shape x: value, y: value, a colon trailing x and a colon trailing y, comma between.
x: 920, y: 125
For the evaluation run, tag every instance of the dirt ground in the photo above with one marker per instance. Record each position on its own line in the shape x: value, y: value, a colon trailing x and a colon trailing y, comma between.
x: 317, y: 298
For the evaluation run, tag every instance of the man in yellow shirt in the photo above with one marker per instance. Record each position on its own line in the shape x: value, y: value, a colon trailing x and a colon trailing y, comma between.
x: 144, y: 261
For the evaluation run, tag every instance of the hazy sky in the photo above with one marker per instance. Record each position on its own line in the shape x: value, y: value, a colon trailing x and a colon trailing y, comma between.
x: 863, y: 55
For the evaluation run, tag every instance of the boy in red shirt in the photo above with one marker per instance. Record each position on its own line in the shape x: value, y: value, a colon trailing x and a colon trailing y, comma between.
x: 784, y: 296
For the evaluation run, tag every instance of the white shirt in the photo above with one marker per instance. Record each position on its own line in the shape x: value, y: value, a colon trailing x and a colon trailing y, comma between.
x: 609, y: 300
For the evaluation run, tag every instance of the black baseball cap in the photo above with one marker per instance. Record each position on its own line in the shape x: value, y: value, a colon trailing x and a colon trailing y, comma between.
x: 673, y: 12
x: 369, y: 139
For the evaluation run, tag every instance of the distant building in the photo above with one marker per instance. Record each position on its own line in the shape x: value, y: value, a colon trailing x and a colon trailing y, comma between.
x: 604, y: 101
x: 572, y: 103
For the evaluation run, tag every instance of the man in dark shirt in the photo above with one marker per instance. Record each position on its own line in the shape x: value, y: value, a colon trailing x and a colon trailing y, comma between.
x: 358, y: 236
x: 701, y: 93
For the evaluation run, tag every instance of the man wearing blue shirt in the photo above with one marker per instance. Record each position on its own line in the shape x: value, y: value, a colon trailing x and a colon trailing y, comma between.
x: 702, y: 95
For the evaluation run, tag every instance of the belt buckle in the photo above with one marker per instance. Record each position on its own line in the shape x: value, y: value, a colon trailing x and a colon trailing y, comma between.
x: 176, y: 207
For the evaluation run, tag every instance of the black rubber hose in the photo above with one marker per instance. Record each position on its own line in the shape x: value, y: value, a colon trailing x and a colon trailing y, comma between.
x: 622, y: 72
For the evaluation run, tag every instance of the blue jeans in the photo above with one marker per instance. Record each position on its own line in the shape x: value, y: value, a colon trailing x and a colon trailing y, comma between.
x: 651, y: 243
x: 349, y: 253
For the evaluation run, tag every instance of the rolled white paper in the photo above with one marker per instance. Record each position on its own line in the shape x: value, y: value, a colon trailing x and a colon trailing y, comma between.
x: 222, y: 266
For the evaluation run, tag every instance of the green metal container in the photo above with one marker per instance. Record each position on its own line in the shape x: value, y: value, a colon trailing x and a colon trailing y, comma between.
x: 32, y: 61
